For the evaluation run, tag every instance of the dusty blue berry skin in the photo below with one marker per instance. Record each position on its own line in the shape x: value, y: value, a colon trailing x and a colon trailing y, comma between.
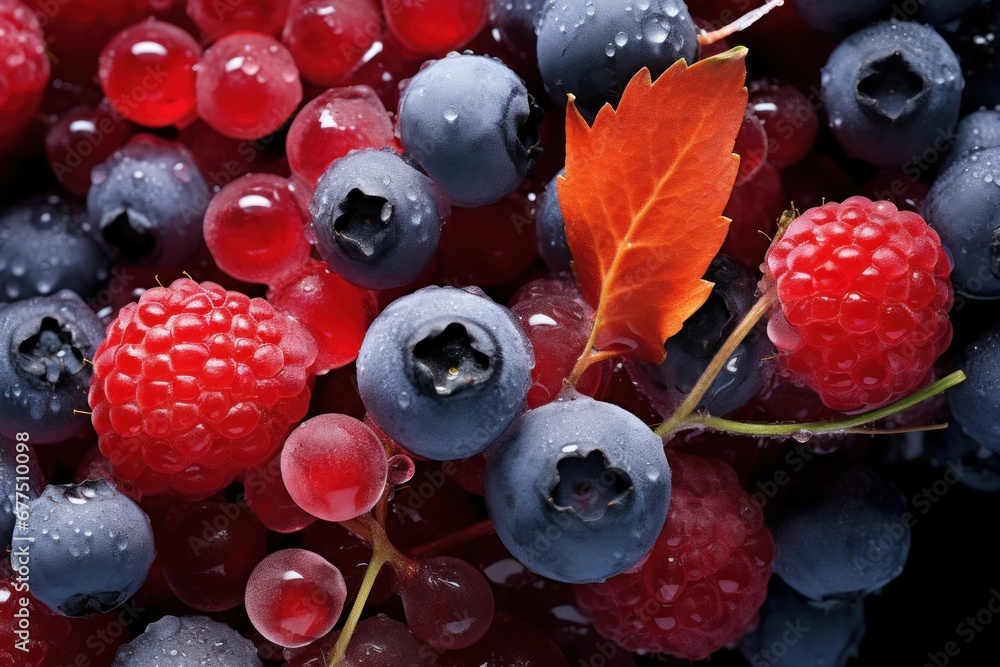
x: 148, y: 201
x: 45, y: 246
x: 975, y: 403
x: 978, y: 130
x: 91, y: 547
x: 795, y: 632
x: 470, y: 123
x: 444, y: 371
x: 377, y: 220
x: 892, y: 90
x: 187, y: 641
x: 841, y: 539
x: 551, y: 229
x: 578, y: 490
x: 592, y: 48
x: 963, y: 207
x: 44, y: 341
x: 839, y: 15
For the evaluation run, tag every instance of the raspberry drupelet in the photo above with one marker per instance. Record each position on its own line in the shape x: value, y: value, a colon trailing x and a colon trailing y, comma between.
x: 194, y: 384
x: 864, y: 294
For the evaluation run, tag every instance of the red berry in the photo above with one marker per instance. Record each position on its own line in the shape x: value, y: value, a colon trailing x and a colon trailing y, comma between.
x: 789, y: 119
x: 24, y: 69
x: 79, y: 141
x: 332, y: 125
x: 294, y: 597
x: 335, y: 467
x: 751, y: 146
x: 255, y: 229
x: 703, y: 581
x: 194, y: 383
x: 267, y: 497
x: 435, y: 26
x: 336, y: 312
x: 329, y: 38
x: 864, y: 295
x: 248, y: 85
x: 448, y: 603
x: 754, y: 207
x: 148, y: 72
x: 215, y: 19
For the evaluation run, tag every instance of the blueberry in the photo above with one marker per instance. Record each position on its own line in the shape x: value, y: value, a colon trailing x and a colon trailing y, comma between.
x: 45, y: 247
x: 841, y: 539
x: 978, y: 130
x: 148, y: 200
x: 592, y: 48
x: 377, y: 220
x: 965, y: 460
x: 976, y: 402
x: 91, y: 547
x: 516, y: 20
x: 444, y: 371
x: 44, y: 342
x: 940, y: 12
x: 551, y: 229
x: 794, y: 631
x: 578, y: 490
x: 692, y: 348
x: 892, y: 90
x: 17, y: 460
x: 963, y: 207
x: 839, y: 15
x: 469, y: 122
x: 186, y: 641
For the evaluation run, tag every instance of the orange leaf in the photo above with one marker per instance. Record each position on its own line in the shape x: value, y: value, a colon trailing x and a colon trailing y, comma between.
x: 643, y: 196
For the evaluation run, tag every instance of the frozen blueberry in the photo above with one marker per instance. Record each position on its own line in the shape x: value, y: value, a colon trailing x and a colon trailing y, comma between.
x: 45, y: 246
x: 187, y: 641
x: 444, y: 371
x: 963, y: 207
x: 470, y: 123
x: 592, y: 48
x: 796, y: 632
x: 892, y: 90
x: 148, y: 200
x: 978, y: 130
x: 377, y: 220
x: 551, y: 229
x: 44, y: 344
x: 841, y: 539
x: 91, y: 547
x: 578, y: 490
x: 691, y: 350
x: 839, y: 15
x: 976, y: 402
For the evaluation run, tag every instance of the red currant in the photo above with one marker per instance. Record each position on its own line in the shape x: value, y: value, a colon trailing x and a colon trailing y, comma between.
x: 435, y: 26
x: 329, y: 38
x: 216, y: 19
x: 79, y: 141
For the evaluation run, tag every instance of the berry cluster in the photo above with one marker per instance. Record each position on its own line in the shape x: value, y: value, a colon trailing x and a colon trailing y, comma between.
x: 378, y: 422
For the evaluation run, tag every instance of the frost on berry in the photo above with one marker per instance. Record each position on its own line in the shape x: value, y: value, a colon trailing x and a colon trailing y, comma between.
x: 703, y: 581
x: 195, y: 383
x: 864, y: 294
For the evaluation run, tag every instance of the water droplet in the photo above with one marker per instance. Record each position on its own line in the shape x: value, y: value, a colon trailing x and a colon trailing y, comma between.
x: 621, y: 39
x: 450, y: 114
x: 609, y: 50
x: 654, y: 30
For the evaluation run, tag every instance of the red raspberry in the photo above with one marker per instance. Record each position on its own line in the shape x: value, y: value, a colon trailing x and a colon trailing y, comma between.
x: 24, y: 69
x: 195, y: 383
x: 865, y: 292
x: 703, y: 581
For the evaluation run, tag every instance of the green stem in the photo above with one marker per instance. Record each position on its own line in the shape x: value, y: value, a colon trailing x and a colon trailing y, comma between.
x: 340, y: 649
x: 849, y: 425
x: 718, y: 362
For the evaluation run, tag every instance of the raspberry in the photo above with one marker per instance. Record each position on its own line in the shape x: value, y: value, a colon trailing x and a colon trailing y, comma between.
x: 194, y: 384
x: 703, y: 581
x: 865, y: 292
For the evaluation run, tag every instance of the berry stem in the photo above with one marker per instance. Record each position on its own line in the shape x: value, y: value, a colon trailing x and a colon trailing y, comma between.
x: 589, y: 357
x: 690, y: 404
x: 853, y: 424
x: 742, y: 23
x: 455, y: 539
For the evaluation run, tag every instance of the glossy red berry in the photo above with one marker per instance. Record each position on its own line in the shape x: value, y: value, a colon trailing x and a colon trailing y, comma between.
x: 82, y: 139
x: 255, y: 229
x: 754, y: 208
x: 267, y: 497
x: 216, y: 19
x: 751, y: 146
x: 194, y: 384
x: 294, y: 597
x: 435, y: 26
x: 334, y: 466
x: 329, y: 38
x: 864, y: 294
x: 448, y: 603
x: 148, y: 73
x: 248, y: 85
x: 24, y: 69
x: 702, y: 583
x: 332, y: 125
x: 789, y: 119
